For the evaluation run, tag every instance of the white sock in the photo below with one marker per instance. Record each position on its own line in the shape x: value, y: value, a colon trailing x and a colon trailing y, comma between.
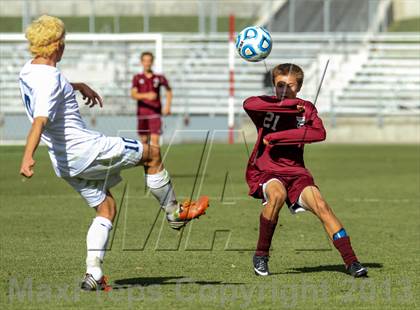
x: 161, y: 187
x: 96, y: 240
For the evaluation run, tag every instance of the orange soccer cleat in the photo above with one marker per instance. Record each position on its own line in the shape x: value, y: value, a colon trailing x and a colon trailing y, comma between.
x: 188, y: 211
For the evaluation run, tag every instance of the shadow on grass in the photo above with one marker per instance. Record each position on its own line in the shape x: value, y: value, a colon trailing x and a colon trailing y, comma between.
x: 145, y: 281
x: 321, y: 268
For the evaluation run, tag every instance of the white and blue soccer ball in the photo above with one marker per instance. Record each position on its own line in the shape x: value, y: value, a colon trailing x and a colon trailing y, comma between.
x: 254, y: 43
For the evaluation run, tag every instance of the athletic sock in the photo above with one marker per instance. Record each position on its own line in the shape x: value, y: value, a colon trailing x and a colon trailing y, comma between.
x: 343, y: 246
x: 267, y: 228
x: 161, y: 188
x: 96, y: 241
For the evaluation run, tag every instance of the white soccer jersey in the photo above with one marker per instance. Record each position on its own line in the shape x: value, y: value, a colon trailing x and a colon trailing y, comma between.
x: 46, y: 92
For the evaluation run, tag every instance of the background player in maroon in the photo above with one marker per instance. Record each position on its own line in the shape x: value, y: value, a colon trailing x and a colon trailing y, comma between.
x: 276, y: 170
x: 146, y: 90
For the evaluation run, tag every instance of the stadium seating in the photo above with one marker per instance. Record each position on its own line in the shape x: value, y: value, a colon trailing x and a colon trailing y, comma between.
x: 197, y: 68
x: 388, y: 81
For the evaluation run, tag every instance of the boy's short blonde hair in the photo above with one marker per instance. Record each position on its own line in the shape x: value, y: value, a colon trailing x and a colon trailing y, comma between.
x: 45, y: 35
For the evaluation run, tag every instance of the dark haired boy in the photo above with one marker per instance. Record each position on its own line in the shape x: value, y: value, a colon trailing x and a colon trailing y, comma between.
x: 276, y: 171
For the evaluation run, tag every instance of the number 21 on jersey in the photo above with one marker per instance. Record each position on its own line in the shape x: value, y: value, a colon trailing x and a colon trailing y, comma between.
x: 271, y: 120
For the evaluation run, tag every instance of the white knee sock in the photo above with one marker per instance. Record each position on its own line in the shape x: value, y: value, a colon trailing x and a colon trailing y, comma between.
x: 161, y: 187
x: 96, y: 241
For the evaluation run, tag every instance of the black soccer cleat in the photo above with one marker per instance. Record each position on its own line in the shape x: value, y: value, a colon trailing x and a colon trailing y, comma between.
x: 260, y: 265
x: 357, y: 270
x: 90, y: 284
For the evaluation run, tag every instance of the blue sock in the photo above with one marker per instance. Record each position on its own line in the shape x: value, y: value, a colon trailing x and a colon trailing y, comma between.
x: 340, y: 234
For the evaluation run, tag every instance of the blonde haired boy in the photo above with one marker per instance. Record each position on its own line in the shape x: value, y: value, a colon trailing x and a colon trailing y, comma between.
x: 81, y: 156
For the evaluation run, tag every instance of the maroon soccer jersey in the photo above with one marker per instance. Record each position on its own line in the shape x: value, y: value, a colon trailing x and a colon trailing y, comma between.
x: 152, y: 84
x: 287, y: 128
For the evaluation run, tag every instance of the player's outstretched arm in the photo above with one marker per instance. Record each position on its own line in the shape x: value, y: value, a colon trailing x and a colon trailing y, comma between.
x: 92, y: 98
x: 312, y: 131
x: 32, y: 142
x: 258, y: 107
x: 254, y: 104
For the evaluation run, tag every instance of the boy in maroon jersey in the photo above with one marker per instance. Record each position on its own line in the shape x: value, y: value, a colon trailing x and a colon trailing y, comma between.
x: 146, y: 90
x: 276, y: 171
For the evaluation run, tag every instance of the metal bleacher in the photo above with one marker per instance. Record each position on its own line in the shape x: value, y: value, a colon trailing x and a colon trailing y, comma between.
x: 196, y: 66
x: 386, y: 73
x: 202, y: 73
x: 387, y: 82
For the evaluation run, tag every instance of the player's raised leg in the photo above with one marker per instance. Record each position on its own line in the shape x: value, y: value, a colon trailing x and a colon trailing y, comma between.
x: 160, y: 185
x: 313, y: 200
x: 275, y: 195
x: 96, y: 241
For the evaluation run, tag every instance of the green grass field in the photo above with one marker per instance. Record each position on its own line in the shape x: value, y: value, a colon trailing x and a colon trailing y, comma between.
x: 373, y: 189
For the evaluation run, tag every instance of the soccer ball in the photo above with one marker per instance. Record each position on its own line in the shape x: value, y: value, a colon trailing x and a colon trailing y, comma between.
x: 254, y: 43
